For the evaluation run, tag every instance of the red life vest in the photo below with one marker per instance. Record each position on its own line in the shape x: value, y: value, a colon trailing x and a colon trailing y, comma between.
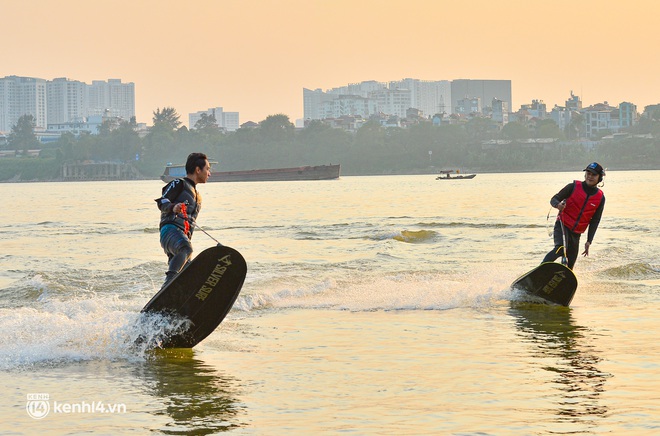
x: 580, y: 207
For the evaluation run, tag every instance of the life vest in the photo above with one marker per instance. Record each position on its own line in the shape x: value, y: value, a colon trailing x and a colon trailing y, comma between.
x: 181, y: 191
x: 580, y: 207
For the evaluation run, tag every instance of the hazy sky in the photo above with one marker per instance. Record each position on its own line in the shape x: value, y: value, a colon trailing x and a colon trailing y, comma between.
x: 255, y: 56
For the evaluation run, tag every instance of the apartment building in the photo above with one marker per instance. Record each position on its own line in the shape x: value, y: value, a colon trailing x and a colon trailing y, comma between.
x: 561, y: 115
x: 313, y: 103
x: 393, y: 101
x: 228, y: 121
x: 67, y: 100
x: 396, y: 97
x: 628, y: 115
x: 22, y: 96
x: 363, y: 89
x: 430, y: 97
x: 347, y: 105
x: 485, y: 90
x: 61, y: 101
x: 112, y: 98
x: 599, y: 119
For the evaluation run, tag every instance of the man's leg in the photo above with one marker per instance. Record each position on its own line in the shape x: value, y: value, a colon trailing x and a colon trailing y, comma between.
x: 558, y: 251
x: 573, y: 242
x: 178, y: 249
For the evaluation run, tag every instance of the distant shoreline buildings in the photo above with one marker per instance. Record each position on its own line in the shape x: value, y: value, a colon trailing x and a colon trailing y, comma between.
x: 62, y: 101
x: 395, y: 98
x: 404, y: 102
x: 64, y: 105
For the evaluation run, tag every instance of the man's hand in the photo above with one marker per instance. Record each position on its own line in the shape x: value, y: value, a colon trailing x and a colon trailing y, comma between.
x: 561, y: 205
x: 177, y: 208
x: 586, y: 248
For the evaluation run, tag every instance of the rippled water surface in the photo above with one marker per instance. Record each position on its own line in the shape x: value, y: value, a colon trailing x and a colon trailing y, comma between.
x: 373, y: 305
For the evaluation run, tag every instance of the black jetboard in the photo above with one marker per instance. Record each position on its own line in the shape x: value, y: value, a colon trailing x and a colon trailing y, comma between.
x: 203, y: 292
x: 551, y: 281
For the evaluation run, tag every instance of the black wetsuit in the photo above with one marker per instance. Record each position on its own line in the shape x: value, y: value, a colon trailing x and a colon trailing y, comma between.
x: 173, y: 236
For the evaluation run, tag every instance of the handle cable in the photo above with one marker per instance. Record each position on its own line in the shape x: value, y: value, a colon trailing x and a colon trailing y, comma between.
x: 187, y: 221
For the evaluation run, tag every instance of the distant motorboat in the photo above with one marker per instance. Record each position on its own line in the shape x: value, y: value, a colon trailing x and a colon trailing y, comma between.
x: 446, y: 175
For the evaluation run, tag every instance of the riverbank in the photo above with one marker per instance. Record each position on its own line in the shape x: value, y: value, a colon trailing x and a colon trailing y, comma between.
x: 31, y: 169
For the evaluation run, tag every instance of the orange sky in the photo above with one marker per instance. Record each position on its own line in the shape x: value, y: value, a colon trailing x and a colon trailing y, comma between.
x: 254, y: 57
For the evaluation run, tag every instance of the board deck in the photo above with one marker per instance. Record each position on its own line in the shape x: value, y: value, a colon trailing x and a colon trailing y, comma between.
x: 203, y: 292
x: 551, y: 281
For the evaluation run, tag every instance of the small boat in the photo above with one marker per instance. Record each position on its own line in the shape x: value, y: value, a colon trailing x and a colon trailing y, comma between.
x: 446, y: 175
x: 318, y: 172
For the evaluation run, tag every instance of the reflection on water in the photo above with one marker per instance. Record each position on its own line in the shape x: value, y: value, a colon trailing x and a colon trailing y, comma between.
x: 565, y: 349
x: 198, y: 399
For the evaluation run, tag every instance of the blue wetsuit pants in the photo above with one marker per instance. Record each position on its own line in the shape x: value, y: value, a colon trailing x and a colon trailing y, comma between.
x: 178, y: 248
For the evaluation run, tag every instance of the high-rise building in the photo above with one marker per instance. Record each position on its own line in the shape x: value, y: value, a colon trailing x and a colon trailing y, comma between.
x: 500, y: 111
x: 228, y: 121
x: 430, y: 97
x: 370, y: 97
x: 347, y: 105
x: 363, y: 89
x: 22, y: 96
x: 313, y: 103
x: 396, y: 97
x: 62, y: 101
x: 67, y: 100
x: 485, y: 90
x: 111, y: 98
x: 393, y: 101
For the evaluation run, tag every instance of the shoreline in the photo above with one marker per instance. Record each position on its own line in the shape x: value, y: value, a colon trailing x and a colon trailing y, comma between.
x: 429, y: 173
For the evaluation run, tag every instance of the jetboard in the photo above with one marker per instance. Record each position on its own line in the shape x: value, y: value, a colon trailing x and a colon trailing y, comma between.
x: 203, y: 293
x: 551, y: 281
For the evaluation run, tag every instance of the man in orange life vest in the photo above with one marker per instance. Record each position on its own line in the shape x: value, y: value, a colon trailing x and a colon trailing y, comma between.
x: 580, y: 206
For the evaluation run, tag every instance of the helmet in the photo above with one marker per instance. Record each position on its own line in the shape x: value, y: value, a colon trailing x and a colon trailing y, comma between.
x: 597, y: 169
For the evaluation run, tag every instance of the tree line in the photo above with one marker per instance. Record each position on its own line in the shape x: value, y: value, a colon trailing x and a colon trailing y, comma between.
x: 421, y: 147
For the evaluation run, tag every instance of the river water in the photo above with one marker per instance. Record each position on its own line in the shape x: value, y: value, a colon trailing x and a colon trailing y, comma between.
x: 373, y: 305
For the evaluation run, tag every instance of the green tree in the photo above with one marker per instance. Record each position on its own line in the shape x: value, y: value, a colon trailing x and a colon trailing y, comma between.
x: 515, y: 130
x: 371, y: 134
x: 126, y: 141
x: 480, y: 128
x: 548, y: 129
x: 207, y: 123
x: 22, y: 135
x: 65, y: 147
x: 108, y: 125
x: 167, y: 120
x: 277, y: 127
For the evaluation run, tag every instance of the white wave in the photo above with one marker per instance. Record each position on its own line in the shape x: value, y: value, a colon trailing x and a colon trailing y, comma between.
x: 78, y: 330
x: 402, y: 291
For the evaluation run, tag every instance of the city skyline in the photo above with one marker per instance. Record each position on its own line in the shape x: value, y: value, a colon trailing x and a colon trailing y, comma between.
x: 255, y: 57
